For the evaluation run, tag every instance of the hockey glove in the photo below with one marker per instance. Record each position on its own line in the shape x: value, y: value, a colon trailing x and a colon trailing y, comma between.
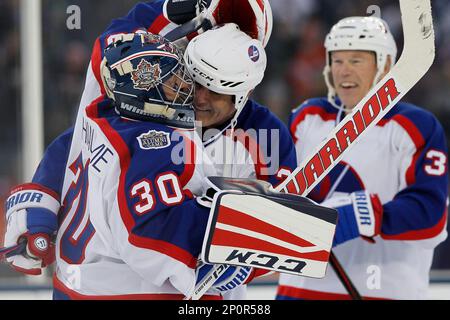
x: 254, y: 17
x: 231, y: 279
x: 31, y: 211
x: 360, y: 214
x: 180, y: 12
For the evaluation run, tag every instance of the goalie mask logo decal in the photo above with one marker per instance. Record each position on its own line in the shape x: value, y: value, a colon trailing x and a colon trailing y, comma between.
x: 253, y: 53
x: 146, y: 75
x: 154, y: 140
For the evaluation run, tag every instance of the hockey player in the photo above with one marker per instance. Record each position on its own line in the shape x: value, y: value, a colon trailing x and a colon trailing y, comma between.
x: 219, y: 72
x: 243, y: 138
x: 128, y: 209
x: 253, y: 116
x: 390, y: 190
x: 164, y: 17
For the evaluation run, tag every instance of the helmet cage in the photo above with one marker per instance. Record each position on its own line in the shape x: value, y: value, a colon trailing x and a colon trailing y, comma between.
x: 146, y: 77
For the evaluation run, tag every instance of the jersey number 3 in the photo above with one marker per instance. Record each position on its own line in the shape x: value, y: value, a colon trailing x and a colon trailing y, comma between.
x: 439, y: 163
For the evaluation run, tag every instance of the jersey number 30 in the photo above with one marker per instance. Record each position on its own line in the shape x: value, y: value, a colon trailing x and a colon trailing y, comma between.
x: 167, y: 187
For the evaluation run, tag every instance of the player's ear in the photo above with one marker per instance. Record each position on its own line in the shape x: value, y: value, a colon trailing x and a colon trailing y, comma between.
x: 388, y: 65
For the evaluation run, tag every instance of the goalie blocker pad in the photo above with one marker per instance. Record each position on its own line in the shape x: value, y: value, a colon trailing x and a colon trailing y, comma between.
x: 279, y: 232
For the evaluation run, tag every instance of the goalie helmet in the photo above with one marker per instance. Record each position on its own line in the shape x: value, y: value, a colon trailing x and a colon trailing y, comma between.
x: 227, y: 61
x: 360, y: 33
x: 146, y: 77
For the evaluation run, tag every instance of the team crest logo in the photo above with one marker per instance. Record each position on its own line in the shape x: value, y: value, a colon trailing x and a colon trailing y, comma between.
x: 146, y: 75
x: 154, y: 140
x: 253, y: 53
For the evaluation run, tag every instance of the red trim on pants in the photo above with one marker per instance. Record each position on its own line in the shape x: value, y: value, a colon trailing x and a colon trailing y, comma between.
x: 144, y: 296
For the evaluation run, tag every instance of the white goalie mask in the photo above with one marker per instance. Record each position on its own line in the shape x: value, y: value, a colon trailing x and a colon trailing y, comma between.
x: 364, y: 34
x: 227, y: 61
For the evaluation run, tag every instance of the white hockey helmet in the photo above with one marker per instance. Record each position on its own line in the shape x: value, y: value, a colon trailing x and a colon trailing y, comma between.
x: 360, y: 33
x: 225, y: 60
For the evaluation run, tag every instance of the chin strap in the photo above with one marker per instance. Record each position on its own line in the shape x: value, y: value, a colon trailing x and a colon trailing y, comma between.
x: 231, y: 125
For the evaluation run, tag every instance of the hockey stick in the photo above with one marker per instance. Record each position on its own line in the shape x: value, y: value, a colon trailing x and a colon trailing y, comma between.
x: 189, y: 27
x: 335, y: 264
x: 13, y: 250
x: 417, y: 57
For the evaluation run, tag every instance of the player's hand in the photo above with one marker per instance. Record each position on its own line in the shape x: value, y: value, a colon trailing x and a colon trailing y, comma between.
x: 254, y: 17
x: 180, y: 12
x: 233, y: 277
x: 360, y: 214
x: 31, y: 217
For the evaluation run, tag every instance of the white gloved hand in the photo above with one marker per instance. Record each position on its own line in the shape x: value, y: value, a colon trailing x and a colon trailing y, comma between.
x: 31, y: 217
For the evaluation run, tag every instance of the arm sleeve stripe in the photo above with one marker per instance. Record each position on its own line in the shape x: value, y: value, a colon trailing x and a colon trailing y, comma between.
x: 160, y: 23
x: 420, y: 234
x: 96, y: 60
x: 411, y: 129
x: 418, y: 141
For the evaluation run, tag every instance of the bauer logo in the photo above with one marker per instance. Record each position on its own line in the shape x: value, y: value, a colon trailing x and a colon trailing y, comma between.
x: 154, y: 140
x: 253, y: 53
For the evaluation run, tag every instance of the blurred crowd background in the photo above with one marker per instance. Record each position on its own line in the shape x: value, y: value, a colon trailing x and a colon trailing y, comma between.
x: 295, y: 61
